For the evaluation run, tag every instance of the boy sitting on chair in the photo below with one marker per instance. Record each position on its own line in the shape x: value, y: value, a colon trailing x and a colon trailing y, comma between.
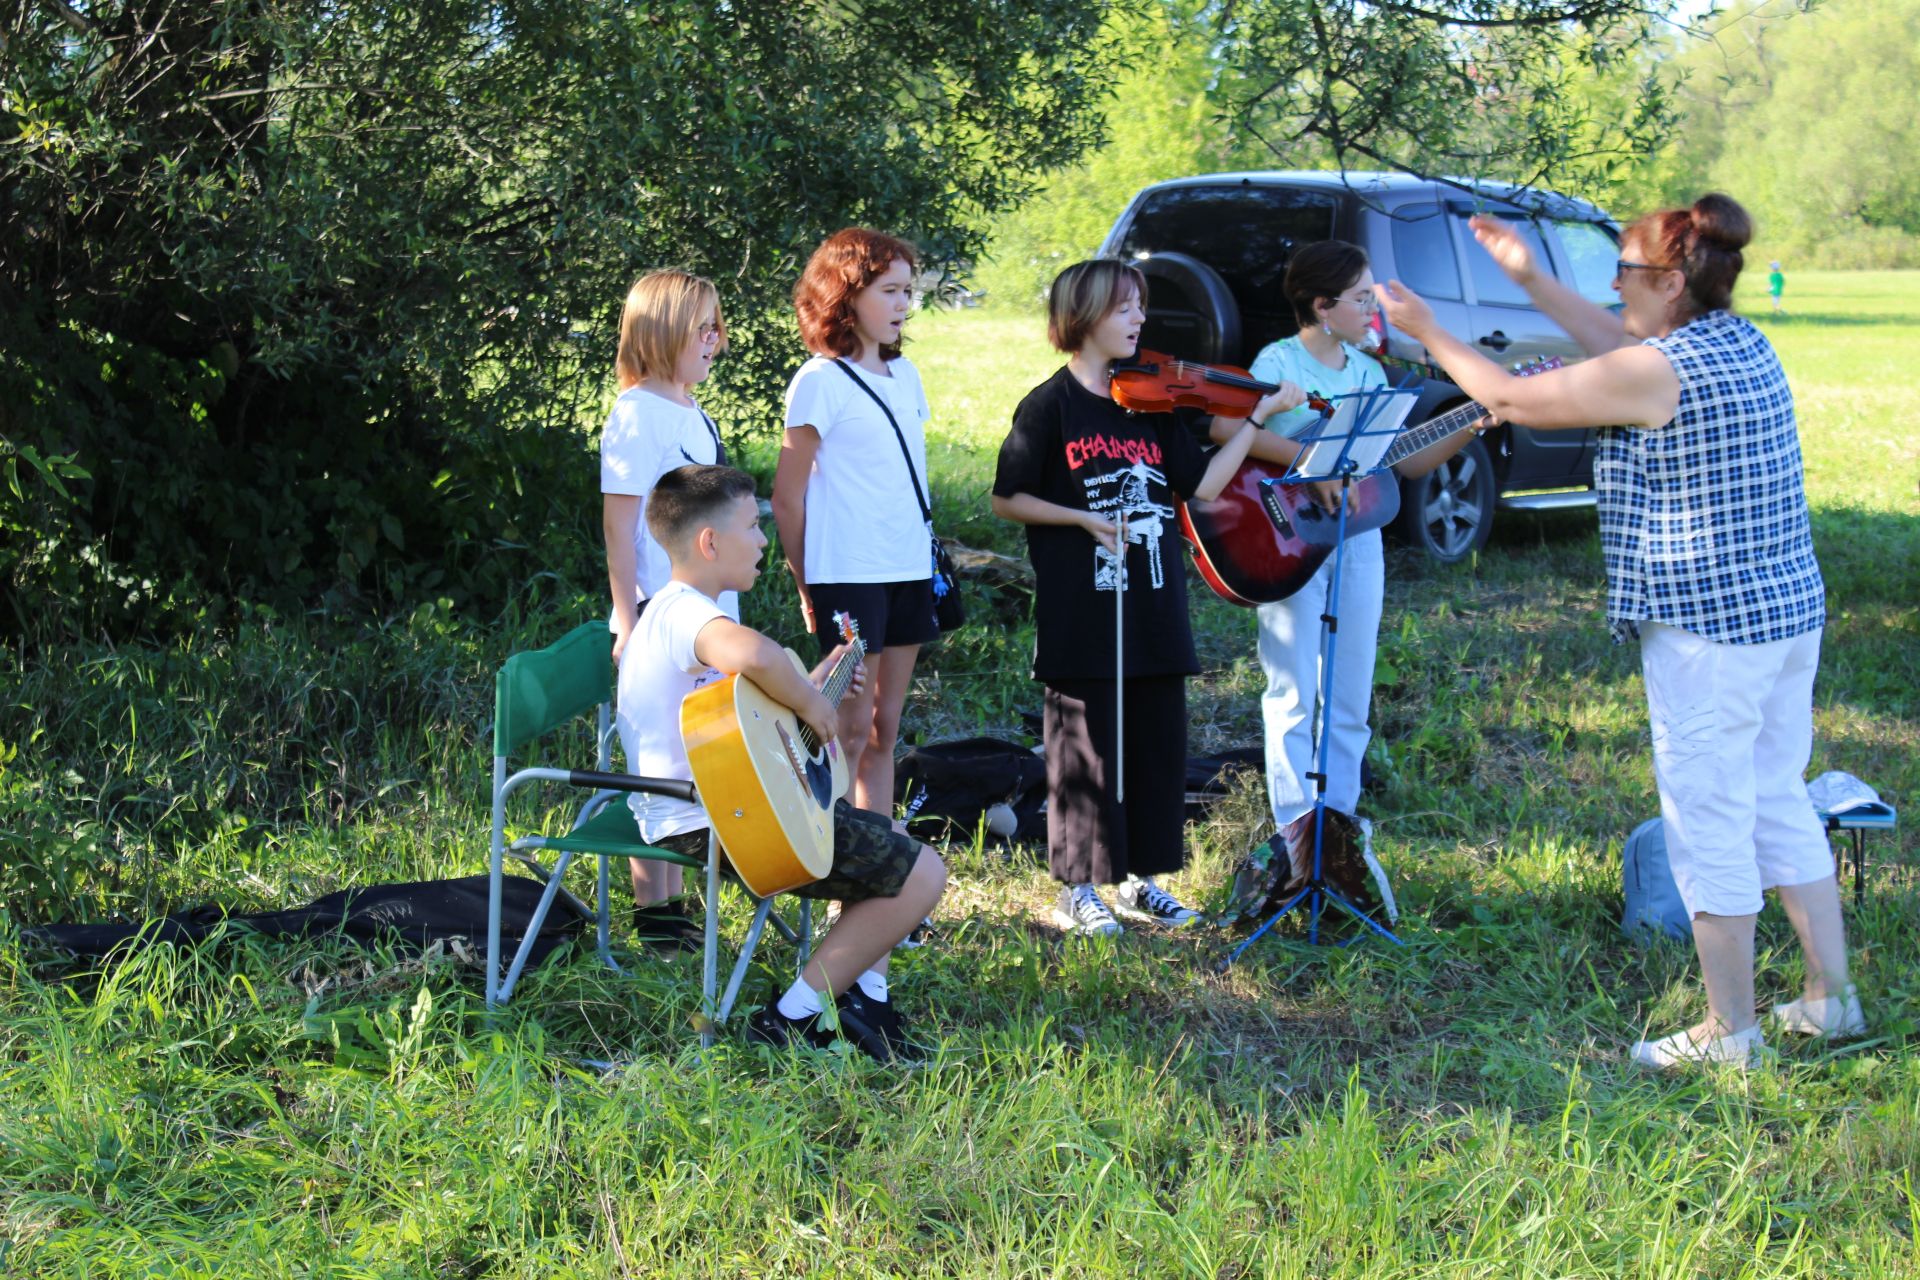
x: 707, y: 520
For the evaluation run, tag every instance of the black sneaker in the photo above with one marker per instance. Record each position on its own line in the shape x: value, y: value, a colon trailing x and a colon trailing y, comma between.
x: 664, y: 926
x: 884, y: 1020
x: 770, y: 1026
x: 1142, y: 899
x: 922, y: 934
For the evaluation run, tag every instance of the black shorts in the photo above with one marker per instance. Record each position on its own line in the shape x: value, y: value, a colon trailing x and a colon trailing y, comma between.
x: 890, y: 614
x: 870, y: 858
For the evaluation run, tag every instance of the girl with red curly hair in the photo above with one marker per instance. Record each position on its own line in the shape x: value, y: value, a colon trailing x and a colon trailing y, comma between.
x: 851, y: 478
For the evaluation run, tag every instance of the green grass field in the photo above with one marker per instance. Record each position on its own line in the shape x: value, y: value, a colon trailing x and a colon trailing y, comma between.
x: 1456, y: 1109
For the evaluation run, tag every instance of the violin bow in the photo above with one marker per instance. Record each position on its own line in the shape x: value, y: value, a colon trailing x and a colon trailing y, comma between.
x: 1120, y: 660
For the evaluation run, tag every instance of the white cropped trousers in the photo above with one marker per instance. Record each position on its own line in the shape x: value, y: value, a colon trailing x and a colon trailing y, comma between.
x: 1290, y: 656
x: 1732, y: 734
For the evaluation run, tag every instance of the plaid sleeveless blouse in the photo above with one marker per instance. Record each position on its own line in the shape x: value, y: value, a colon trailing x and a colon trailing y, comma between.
x: 1703, y: 522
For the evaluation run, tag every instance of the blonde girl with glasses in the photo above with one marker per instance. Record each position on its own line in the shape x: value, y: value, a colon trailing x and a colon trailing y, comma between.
x: 670, y: 331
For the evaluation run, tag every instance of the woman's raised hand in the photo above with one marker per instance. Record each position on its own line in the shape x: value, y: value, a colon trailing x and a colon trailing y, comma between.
x: 1404, y: 309
x: 1509, y: 250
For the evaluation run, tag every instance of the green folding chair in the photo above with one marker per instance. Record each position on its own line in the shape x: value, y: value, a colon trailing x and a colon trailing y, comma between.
x: 535, y: 693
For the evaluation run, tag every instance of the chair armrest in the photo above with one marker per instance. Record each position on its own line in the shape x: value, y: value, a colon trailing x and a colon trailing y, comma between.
x: 632, y: 782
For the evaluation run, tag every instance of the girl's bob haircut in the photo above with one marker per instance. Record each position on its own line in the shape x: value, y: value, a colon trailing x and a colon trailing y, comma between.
x: 845, y: 263
x: 1321, y: 272
x: 664, y: 313
x: 1083, y: 295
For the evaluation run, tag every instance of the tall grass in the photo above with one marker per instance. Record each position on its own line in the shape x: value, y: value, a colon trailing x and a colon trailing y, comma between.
x: 1456, y: 1108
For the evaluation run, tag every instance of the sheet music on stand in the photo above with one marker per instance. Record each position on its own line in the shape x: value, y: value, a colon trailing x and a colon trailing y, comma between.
x: 1356, y: 435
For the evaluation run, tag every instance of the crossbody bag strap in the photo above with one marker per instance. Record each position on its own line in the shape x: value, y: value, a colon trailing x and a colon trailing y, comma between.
x: 926, y: 512
x: 719, y: 450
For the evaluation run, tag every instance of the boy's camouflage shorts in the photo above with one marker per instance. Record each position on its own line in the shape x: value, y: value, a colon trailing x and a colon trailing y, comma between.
x: 870, y: 858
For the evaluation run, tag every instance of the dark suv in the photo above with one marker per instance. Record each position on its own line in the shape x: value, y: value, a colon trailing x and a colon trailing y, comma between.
x: 1216, y: 247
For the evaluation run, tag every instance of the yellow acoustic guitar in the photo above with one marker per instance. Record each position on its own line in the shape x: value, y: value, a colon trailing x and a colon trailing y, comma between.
x: 767, y: 785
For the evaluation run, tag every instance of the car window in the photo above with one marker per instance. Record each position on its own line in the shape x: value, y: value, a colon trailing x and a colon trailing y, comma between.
x: 1423, y: 252
x: 1244, y: 232
x: 1591, y: 251
x: 1490, y: 283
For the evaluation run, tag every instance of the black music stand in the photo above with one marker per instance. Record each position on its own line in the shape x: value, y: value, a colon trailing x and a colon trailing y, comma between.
x: 1344, y: 446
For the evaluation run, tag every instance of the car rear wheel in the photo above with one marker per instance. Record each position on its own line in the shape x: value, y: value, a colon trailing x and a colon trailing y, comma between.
x: 1448, y: 513
x: 1193, y: 315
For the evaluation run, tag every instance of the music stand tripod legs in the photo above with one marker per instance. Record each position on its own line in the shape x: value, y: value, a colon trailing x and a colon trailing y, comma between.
x: 1317, y: 893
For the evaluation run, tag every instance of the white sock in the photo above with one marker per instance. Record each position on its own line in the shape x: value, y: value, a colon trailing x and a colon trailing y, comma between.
x: 874, y: 984
x: 800, y: 1001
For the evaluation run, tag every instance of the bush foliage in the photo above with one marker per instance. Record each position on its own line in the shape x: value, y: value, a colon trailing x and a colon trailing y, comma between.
x: 307, y: 301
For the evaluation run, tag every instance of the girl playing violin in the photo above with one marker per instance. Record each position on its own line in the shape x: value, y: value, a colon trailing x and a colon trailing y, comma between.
x: 1095, y: 487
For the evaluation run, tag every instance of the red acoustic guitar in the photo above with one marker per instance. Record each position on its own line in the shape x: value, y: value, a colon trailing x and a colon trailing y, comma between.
x: 1261, y: 540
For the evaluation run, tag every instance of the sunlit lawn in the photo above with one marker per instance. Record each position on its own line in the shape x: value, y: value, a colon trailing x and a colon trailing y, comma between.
x: 1456, y: 1108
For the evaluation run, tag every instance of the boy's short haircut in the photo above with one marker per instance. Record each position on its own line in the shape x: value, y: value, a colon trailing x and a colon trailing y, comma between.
x: 1083, y: 294
x: 687, y: 499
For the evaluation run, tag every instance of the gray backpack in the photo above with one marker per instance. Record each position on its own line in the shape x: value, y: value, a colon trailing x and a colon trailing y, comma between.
x: 1653, y: 900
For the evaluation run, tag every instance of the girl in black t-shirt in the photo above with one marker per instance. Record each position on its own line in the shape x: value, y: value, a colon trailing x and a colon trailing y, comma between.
x: 1076, y: 469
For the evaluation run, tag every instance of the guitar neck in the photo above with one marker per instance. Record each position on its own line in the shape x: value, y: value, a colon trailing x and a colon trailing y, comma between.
x: 835, y: 687
x: 1414, y: 439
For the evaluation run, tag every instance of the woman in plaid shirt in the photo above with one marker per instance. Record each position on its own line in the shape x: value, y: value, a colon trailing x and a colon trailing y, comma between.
x: 1703, y: 524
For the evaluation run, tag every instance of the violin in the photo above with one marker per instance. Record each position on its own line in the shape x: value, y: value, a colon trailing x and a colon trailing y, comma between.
x: 1156, y: 383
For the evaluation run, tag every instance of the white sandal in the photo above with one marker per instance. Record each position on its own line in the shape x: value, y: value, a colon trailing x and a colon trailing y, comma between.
x: 1680, y: 1049
x: 1834, y: 1018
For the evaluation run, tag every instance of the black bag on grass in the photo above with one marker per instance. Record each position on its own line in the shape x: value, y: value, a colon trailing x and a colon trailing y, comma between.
x: 414, y: 915
x: 1211, y: 777
x: 948, y: 789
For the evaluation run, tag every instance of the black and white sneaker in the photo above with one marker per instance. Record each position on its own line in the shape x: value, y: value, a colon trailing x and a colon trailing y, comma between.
x: 1082, y: 910
x: 921, y: 935
x: 770, y: 1026
x: 1142, y: 899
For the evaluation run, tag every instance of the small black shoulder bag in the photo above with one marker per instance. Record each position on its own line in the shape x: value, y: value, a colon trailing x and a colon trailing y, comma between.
x: 948, y: 611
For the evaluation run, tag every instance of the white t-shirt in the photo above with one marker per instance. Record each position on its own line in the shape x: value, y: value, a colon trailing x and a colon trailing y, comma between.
x: 646, y: 436
x: 863, y: 518
x: 658, y: 669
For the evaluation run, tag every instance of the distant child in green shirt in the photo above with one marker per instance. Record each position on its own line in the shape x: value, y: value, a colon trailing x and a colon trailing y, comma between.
x: 1776, y: 283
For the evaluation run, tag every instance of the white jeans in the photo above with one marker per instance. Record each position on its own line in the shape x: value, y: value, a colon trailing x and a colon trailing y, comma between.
x: 1290, y: 655
x: 1732, y: 733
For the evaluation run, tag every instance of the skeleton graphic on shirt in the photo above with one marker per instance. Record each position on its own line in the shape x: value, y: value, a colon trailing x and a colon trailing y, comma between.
x: 1127, y: 493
